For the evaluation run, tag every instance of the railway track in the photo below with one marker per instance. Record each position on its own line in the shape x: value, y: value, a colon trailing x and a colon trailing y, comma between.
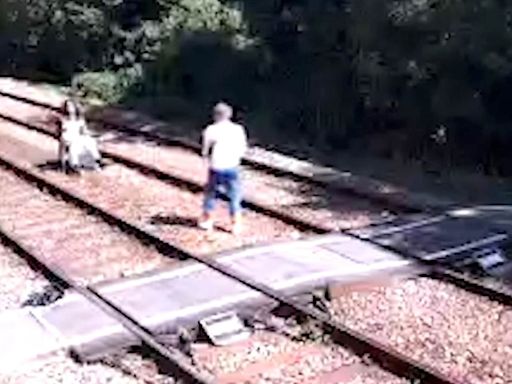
x: 360, y: 344
x: 19, y: 280
x: 385, y: 195
x: 180, y: 365
x: 89, y: 249
x: 34, y: 237
x: 296, y: 200
x: 171, y: 172
x: 155, y: 205
x: 168, y: 171
x: 449, y: 275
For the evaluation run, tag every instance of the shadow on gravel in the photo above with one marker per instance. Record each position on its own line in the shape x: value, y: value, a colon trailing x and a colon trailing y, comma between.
x: 47, y: 296
x: 55, y: 166
x: 189, y: 222
x: 175, y: 220
x: 51, y: 165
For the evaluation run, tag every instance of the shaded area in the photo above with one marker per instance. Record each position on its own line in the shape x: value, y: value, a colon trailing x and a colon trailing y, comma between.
x: 160, y: 219
x: 416, y: 81
x: 445, y: 240
x: 48, y: 295
x: 50, y: 165
x: 183, y: 221
x: 458, y: 240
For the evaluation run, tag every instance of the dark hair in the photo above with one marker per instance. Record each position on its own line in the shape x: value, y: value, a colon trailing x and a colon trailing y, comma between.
x: 78, y: 108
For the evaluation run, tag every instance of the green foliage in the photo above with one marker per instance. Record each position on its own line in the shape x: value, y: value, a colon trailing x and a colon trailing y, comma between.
x: 108, y: 86
x: 59, y: 37
x: 378, y: 75
x: 98, y: 85
x: 200, y: 15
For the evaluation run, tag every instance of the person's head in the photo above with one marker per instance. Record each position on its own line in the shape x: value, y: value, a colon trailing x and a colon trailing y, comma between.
x: 71, y: 109
x: 222, y: 112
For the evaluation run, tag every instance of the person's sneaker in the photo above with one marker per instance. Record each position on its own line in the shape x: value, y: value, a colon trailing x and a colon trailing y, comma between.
x: 206, y: 225
x: 236, y: 229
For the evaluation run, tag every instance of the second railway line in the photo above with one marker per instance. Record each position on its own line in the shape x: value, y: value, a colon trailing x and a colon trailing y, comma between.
x: 87, y: 248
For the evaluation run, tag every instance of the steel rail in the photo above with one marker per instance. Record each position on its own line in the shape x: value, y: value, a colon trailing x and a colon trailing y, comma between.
x: 54, y: 273
x: 472, y: 285
x: 190, y: 185
x: 360, y: 344
x: 442, y: 273
x: 251, y: 163
x: 437, y: 272
x: 449, y: 276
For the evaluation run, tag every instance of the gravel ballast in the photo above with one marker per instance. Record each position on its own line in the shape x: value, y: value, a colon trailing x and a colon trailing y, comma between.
x: 268, y: 358
x: 85, y: 247
x: 159, y: 207
x: 17, y: 280
x: 61, y: 369
x: 332, y: 210
x: 463, y: 335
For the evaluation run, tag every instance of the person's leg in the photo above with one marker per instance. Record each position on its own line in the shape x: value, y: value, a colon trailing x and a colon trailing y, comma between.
x: 210, y: 196
x: 62, y: 154
x: 92, y: 148
x: 234, y: 190
x: 73, y: 154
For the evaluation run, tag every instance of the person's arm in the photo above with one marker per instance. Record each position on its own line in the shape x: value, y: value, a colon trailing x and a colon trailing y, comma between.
x: 245, y: 144
x: 84, y: 130
x: 243, y: 141
x: 60, y: 128
x: 207, y: 143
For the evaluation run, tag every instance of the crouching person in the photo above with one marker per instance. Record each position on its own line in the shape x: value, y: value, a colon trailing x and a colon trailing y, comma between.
x: 77, y: 148
x: 224, y: 144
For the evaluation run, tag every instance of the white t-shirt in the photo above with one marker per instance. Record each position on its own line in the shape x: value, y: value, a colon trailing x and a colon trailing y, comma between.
x: 71, y: 129
x: 228, y: 142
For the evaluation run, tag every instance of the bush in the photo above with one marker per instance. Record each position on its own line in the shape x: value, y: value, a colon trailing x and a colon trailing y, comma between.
x: 108, y: 86
x: 97, y: 85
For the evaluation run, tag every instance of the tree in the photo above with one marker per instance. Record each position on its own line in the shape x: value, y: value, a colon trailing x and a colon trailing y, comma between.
x: 383, y: 75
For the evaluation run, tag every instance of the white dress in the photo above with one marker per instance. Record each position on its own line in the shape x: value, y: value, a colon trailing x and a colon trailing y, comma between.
x: 81, y: 148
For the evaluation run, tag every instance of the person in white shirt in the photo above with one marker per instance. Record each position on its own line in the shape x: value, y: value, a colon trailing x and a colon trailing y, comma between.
x: 224, y: 144
x: 77, y: 148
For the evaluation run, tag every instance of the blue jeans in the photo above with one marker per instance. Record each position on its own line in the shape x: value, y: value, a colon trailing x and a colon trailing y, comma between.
x: 228, y: 179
